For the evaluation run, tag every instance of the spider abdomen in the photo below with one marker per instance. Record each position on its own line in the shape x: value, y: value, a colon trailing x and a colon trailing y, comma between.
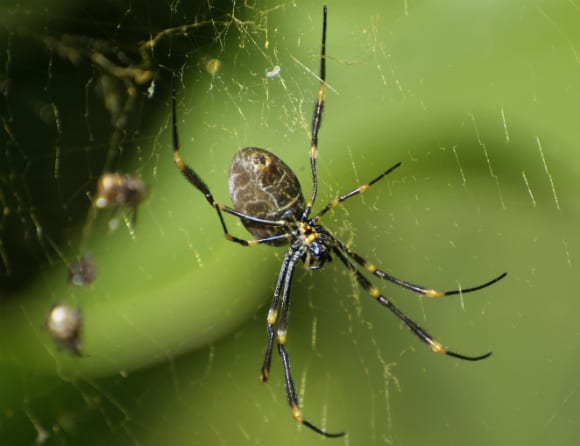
x: 264, y: 186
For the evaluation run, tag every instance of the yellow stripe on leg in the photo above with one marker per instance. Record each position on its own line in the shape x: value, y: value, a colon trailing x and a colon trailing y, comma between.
x: 437, y: 347
x: 434, y: 293
x: 370, y: 267
x: 297, y: 413
x: 281, y: 337
x: 374, y: 291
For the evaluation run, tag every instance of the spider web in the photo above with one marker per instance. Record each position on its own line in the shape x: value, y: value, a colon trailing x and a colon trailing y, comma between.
x: 479, y: 102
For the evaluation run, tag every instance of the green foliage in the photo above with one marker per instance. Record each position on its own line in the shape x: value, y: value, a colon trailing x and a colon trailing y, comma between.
x: 478, y: 100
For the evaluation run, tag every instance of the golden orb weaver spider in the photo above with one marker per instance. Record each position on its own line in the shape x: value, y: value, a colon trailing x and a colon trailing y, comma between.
x: 267, y: 198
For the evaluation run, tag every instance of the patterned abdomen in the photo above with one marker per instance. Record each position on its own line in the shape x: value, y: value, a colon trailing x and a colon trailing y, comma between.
x: 263, y: 186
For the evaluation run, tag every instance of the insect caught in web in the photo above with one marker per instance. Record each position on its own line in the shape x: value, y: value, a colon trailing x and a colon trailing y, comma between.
x: 64, y: 324
x: 83, y: 272
x: 267, y: 198
x: 121, y: 192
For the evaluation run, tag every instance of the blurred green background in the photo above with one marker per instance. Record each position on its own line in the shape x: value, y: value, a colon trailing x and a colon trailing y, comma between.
x: 480, y: 102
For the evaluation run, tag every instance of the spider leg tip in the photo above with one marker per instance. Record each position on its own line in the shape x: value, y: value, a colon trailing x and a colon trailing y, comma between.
x: 321, y: 432
x: 468, y: 358
x: 297, y: 415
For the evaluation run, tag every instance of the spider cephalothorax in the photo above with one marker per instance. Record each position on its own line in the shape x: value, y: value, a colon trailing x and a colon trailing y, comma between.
x: 316, y: 242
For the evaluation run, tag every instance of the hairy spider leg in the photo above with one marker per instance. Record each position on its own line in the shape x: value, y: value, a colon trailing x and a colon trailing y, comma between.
x: 283, y: 287
x: 436, y: 346
x: 272, y: 317
x: 427, y: 292
x: 317, y: 120
x: 193, y: 178
x: 359, y: 190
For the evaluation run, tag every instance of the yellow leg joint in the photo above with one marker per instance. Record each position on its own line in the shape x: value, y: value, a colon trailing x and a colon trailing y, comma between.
x: 281, y: 337
x: 178, y: 160
x: 434, y: 293
x: 297, y: 414
x: 370, y: 267
x: 272, y: 317
x: 322, y: 93
x: 375, y: 292
x: 437, y: 347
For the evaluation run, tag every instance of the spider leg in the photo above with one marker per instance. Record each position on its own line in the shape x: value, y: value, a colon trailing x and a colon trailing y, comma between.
x: 317, y: 120
x: 436, y: 346
x: 193, y: 178
x: 282, y: 290
x: 272, y: 317
x: 359, y: 190
x: 427, y: 292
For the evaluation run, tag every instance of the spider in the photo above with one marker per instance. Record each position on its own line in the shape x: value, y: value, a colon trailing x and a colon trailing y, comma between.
x: 267, y: 198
